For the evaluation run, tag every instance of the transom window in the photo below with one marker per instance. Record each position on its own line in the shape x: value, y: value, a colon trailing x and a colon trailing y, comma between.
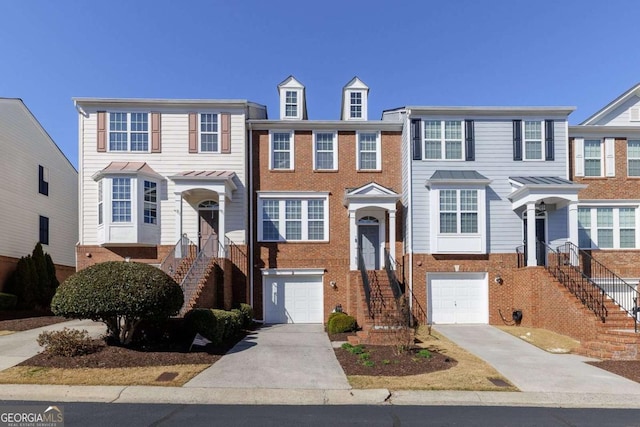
x: 459, y: 211
x: 150, y: 202
x: 633, y: 157
x: 368, y: 151
x: 592, y: 157
x: 291, y: 104
x: 607, y: 227
x: 325, y: 151
x: 443, y: 139
x: 128, y: 132
x: 355, y: 109
x: 121, y: 200
x: 281, y: 150
x: 209, y: 132
x: 293, y: 220
x: 533, y: 140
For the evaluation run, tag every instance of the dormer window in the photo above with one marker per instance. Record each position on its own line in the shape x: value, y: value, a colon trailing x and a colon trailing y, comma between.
x: 356, y: 105
x: 354, y: 100
x: 291, y: 104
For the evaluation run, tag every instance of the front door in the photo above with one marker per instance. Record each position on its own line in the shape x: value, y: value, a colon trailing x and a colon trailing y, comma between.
x: 541, y: 252
x: 369, y: 238
x: 208, y: 227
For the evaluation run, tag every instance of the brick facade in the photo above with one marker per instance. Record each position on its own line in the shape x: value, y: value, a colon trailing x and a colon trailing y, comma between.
x: 332, y: 256
x: 88, y: 255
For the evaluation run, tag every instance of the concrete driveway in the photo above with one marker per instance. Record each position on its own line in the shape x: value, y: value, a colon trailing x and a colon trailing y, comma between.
x: 287, y: 356
x: 532, y: 369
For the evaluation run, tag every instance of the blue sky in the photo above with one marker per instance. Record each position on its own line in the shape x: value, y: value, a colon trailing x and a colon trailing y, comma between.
x: 449, y: 52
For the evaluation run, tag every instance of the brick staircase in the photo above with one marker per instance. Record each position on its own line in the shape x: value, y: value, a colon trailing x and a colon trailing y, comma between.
x: 380, y: 320
x: 192, y: 292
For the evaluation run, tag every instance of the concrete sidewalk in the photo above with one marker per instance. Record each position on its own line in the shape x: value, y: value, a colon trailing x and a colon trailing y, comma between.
x: 287, y: 356
x: 20, y: 346
x: 534, y: 370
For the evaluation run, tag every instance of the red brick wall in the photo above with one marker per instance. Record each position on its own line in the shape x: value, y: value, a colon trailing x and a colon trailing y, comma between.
x: 619, y: 187
x: 332, y: 256
x: 625, y: 263
x: 8, y: 266
x: 88, y: 255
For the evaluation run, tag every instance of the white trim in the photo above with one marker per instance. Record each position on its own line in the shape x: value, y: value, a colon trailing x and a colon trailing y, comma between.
x: 578, y: 146
x: 291, y: 149
x: 128, y: 114
x: 314, y: 150
x: 542, y: 141
x: 593, y: 227
x: 218, y: 133
x: 348, y: 104
x: 283, y: 102
x: 442, y: 157
x: 602, y: 158
x: 293, y: 271
x: 304, y: 216
x: 378, y: 150
x: 631, y: 158
x: 610, y: 157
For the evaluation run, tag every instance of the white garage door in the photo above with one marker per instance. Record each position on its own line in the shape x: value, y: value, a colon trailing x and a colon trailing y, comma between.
x: 458, y: 298
x: 293, y: 299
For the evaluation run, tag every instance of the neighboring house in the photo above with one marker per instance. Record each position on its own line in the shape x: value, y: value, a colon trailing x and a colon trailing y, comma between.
x: 324, y: 193
x: 39, y: 193
x: 605, y: 154
x: 158, y: 176
x: 473, y: 179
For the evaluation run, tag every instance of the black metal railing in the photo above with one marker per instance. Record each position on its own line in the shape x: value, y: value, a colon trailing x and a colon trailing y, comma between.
x: 613, y: 286
x: 183, y: 250
x: 575, y: 281
x: 365, y: 282
x: 520, y: 251
x: 202, y: 265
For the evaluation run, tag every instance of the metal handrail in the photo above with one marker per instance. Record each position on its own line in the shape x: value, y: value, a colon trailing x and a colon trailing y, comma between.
x: 613, y: 286
x: 365, y: 282
x: 180, y: 250
x: 189, y: 284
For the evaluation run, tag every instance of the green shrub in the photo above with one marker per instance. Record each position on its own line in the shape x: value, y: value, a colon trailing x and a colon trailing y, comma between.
x: 215, y: 325
x: 247, y: 315
x: 120, y: 294
x: 231, y: 321
x: 34, y: 280
x: 341, y: 323
x: 8, y: 301
x: 67, y: 342
x: 424, y: 353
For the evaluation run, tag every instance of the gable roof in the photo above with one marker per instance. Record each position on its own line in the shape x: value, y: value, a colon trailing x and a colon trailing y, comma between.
x: 293, y: 83
x: 593, y: 119
x: 357, y: 84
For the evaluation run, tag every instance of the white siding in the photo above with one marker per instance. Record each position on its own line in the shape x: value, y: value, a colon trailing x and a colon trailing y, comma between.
x: 494, y: 160
x: 620, y: 116
x: 24, y: 145
x: 173, y: 159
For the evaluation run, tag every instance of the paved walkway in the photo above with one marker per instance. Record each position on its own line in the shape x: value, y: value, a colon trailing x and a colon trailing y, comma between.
x: 532, y: 369
x: 20, y: 346
x: 278, y: 357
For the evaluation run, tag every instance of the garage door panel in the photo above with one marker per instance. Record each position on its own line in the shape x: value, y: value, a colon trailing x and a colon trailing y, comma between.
x: 294, y: 299
x: 458, y: 298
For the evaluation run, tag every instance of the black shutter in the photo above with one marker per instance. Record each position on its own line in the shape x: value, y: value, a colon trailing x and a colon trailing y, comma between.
x: 416, y: 138
x: 517, y: 140
x: 549, y: 148
x: 469, y: 141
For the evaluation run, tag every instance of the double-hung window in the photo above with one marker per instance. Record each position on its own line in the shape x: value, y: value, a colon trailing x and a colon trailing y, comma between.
x: 121, y: 200
x: 325, y: 151
x: 355, y: 105
x: 293, y: 219
x: 633, y: 157
x: 150, y: 202
x: 209, y: 132
x: 592, y: 157
x: 282, y: 150
x: 43, y: 180
x: 368, y: 151
x: 44, y: 230
x: 291, y: 104
x: 607, y: 227
x: 100, y: 203
x: 533, y: 140
x: 443, y: 139
x: 459, y: 211
x: 129, y: 132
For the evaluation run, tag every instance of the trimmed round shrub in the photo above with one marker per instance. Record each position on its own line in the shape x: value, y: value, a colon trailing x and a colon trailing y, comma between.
x: 247, y: 314
x: 341, y: 322
x: 202, y: 321
x: 120, y: 294
x: 8, y: 301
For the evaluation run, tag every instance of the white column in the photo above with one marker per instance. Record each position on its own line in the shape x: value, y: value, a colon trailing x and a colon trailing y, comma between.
x: 531, y: 235
x: 178, y: 211
x: 353, y: 240
x: 573, y: 227
x: 221, y: 218
x: 392, y: 237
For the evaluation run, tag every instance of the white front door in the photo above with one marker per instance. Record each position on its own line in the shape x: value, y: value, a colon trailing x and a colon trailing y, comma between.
x: 293, y: 299
x: 458, y: 298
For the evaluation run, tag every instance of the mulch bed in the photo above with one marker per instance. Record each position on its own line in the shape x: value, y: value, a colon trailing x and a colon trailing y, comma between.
x: 24, y: 320
x: 629, y: 369
x: 387, y: 363
x: 344, y: 336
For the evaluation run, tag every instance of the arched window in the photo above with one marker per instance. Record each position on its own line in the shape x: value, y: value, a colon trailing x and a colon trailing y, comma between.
x: 368, y: 220
x: 208, y: 205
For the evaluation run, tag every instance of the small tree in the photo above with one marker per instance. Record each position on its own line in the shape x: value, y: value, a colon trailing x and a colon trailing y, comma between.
x: 120, y: 294
x: 34, y: 281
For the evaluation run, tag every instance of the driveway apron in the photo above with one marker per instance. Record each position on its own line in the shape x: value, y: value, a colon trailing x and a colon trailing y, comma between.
x: 287, y: 356
x: 532, y: 369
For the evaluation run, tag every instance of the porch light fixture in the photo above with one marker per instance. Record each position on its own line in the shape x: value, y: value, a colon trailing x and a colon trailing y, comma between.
x: 499, y: 280
x: 542, y: 207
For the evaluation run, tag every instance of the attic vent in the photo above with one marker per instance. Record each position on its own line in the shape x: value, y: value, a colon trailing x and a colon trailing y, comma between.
x: 634, y: 114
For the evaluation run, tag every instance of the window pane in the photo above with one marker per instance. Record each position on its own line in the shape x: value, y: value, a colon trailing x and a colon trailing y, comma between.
x: 584, y: 218
x: 315, y: 209
x: 605, y: 238
x: 432, y: 150
x: 448, y: 200
x: 468, y: 222
x: 533, y: 130
x: 633, y: 154
x: 592, y: 167
x: 628, y: 238
x: 533, y: 150
x: 604, y: 217
x: 293, y: 216
x: 294, y: 230
x: 469, y: 200
x: 448, y: 222
x: 316, y: 230
x: 453, y: 130
x: 432, y: 129
x: 139, y: 141
x: 118, y: 141
x: 281, y: 150
x: 627, y: 218
x: 584, y: 238
x: 453, y: 150
x: 293, y: 209
x: 324, y: 151
x: 270, y: 215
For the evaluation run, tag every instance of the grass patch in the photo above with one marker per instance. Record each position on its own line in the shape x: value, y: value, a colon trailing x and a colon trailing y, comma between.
x: 100, y: 376
x: 544, y: 339
x: 471, y: 373
x: 6, y: 333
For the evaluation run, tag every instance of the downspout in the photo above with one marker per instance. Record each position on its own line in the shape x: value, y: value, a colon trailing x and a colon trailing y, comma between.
x: 82, y: 116
x: 407, y: 122
x: 250, y: 243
